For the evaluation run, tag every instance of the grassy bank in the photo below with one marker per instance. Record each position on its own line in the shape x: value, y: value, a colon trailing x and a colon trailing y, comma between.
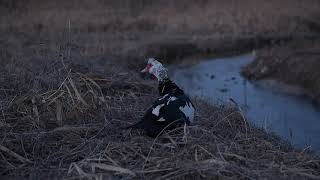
x: 68, y: 124
x: 69, y: 83
x: 296, y: 63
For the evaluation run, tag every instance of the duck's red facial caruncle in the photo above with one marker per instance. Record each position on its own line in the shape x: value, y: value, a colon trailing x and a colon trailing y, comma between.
x: 147, y: 68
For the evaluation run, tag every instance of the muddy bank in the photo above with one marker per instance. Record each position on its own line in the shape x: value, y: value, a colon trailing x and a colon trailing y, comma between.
x: 296, y: 63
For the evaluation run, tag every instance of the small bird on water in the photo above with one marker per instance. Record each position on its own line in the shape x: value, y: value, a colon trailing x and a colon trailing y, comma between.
x: 172, y: 108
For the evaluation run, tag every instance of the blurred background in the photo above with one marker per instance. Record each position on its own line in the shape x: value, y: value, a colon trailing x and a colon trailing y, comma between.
x: 140, y: 28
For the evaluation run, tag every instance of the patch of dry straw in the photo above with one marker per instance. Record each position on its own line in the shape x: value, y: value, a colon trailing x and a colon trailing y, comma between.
x: 75, y: 131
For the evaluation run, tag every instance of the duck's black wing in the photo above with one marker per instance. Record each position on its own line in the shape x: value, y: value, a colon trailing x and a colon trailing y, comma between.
x: 164, y: 113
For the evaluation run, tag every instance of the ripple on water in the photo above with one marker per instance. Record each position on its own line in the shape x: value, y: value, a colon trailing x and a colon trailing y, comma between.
x: 269, y: 104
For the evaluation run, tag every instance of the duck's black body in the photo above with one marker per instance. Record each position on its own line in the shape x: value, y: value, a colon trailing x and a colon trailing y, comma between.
x: 172, y: 108
x: 167, y: 86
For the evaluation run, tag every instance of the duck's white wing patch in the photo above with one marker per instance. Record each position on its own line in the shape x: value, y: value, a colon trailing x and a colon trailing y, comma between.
x: 161, y: 119
x: 156, y: 110
x: 171, y: 98
x: 188, y: 110
x: 163, y: 97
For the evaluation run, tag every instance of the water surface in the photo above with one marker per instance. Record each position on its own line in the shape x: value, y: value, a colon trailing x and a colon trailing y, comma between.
x: 275, y: 107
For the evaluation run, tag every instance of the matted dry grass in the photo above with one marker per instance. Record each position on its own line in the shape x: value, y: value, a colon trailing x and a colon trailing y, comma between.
x: 74, y: 129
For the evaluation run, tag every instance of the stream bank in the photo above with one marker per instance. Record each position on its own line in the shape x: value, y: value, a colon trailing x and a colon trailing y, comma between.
x: 276, y: 107
x: 296, y: 63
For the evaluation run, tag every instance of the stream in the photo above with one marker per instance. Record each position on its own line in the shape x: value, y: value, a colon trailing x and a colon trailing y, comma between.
x: 273, y: 106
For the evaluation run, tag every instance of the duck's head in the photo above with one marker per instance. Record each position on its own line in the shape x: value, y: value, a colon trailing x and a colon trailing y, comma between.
x: 155, y: 68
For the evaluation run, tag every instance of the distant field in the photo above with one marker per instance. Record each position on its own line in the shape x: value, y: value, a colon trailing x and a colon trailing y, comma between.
x: 138, y: 29
x: 246, y: 17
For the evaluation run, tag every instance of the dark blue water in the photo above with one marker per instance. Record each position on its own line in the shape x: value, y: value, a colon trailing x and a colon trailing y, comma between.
x: 273, y: 106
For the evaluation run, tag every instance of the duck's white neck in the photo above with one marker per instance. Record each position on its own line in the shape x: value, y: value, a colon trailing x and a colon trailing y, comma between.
x: 161, y: 73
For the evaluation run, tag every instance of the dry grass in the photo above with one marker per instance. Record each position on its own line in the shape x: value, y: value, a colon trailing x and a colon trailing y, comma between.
x: 130, y: 32
x: 246, y: 17
x: 73, y: 129
x: 138, y: 29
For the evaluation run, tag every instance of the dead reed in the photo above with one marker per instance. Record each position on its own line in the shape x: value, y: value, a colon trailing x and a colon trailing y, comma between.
x: 74, y: 131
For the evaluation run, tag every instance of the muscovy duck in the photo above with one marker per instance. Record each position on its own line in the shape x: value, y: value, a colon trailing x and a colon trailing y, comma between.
x: 172, y: 108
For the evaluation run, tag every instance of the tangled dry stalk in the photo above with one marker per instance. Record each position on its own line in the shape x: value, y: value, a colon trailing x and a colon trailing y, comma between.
x: 74, y: 130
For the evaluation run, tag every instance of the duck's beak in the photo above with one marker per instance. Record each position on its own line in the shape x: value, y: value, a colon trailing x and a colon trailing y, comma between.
x: 144, y: 70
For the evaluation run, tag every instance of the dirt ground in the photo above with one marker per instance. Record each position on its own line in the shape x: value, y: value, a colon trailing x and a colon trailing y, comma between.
x: 69, y: 83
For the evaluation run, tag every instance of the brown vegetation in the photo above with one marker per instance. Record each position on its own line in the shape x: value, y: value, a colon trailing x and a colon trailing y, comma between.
x: 296, y: 63
x: 137, y: 29
x: 71, y: 127
x: 248, y: 17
